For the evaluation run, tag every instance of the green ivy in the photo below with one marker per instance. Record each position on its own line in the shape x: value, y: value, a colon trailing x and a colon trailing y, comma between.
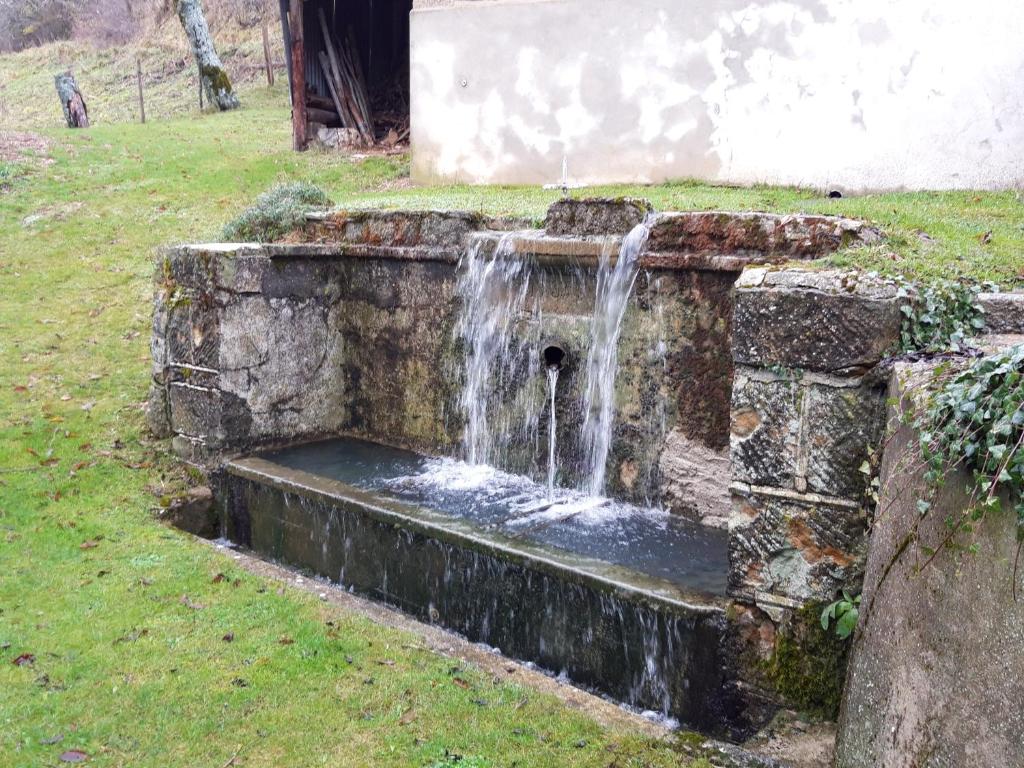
x: 275, y: 213
x: 975, y: 420
x: 940, y: 316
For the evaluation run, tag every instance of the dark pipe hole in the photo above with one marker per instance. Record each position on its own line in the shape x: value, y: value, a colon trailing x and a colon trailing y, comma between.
x: 835, y: 194
x: 553, y: 356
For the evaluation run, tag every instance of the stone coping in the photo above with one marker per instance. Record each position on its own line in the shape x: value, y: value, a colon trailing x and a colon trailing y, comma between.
x: 603, y: 576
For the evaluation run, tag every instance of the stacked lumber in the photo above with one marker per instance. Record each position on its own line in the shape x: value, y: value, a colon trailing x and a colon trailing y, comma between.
x: 343, y: 72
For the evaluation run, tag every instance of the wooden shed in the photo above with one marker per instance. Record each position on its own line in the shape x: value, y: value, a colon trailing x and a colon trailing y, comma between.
x: 348, y: 67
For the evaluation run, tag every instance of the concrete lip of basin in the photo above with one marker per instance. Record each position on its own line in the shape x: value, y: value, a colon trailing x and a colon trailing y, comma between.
x: 639, y: 639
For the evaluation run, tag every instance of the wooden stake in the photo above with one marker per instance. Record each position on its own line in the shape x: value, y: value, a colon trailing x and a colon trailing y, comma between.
x: 266, y: 57
x: 142, y: 101
x: 300, y: 128
x: 325, y: 65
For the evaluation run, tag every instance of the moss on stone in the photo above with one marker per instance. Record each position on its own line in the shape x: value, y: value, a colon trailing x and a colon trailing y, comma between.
x: 808, y: 666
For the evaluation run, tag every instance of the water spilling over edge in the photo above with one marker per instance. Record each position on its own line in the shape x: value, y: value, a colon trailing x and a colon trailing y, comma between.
x: 614, y: 286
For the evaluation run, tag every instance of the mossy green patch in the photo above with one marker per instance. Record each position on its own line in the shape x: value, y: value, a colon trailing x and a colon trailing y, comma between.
x: 808, y: 666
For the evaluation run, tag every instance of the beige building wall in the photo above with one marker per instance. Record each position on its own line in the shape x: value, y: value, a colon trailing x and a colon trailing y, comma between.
x: 848, y: 94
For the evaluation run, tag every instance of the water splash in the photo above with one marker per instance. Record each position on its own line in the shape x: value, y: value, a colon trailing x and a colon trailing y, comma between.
x: 614, y: 285
x: 552, y: 429
x: 493, y: 291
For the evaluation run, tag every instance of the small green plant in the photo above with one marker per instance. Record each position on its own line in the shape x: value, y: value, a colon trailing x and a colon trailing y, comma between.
x: 276, y: 212
x: 844, y: 612
x: 940, y: 316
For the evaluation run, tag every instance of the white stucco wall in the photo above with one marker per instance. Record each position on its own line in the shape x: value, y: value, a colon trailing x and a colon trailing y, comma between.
x: 849, y: 94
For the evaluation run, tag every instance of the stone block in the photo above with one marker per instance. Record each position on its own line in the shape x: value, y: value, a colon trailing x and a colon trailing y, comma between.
x: 195, y: 411
x: 800, y: 547
x: 762, y: 236
x: 695, y: 480
x: 158, y: 411
x: 193, y: 333
x: 1004, y: 312
x: 817, y: 321
x: 840, y: 425
x: 595, y: 216
x: 765, y: 428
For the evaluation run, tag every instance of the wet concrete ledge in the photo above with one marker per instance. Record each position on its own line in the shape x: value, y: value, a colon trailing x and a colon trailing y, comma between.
x: 641, y: 641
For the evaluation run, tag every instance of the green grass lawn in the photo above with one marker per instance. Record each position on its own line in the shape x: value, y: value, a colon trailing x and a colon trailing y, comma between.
x: 124, y: 617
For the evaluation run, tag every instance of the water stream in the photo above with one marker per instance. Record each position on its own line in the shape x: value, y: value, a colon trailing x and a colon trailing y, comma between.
x: 494, y: 291
x: 552, y: 430
x: 500, y: 410
x: 614, y: 285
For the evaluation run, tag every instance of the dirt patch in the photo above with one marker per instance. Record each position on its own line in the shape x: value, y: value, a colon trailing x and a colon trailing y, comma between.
x: 15, y: 146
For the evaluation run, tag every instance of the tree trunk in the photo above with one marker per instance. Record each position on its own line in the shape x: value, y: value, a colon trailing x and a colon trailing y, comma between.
x: 71, y: 101
x: 213, y: 78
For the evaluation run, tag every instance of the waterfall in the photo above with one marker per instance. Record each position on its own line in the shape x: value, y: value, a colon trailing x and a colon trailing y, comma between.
x: 493, y: 292
x: 614, y: 285
x: 552, y: 428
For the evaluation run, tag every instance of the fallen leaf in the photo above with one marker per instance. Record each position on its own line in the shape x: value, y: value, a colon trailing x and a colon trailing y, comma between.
x: 407, y: 717
x: 461, y: 683
x: 285, y: 640
x: 229, y: 637
x: 985, y: 238
x: 25, y: 660
x: 386, y: 662
x: 89, y: 544
x: 219, y: 578
x: 187, y: 602
x: 74, y: 756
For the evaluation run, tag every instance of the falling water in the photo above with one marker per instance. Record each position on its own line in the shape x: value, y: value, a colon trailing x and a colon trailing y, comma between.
x: 552, y: 425
x: 494, y: 293
x: 614, y: 285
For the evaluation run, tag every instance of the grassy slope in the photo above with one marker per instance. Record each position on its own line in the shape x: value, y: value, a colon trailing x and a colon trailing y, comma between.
x: 124, y: 667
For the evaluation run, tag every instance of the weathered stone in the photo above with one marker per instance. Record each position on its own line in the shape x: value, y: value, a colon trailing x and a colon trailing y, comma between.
x: 193, y: 333
x: 765, y: 429
x: 768, y: 237
x: 1004, y: 312
x: 338, y: 138
x: 840, y: 425
x: 799, y: 547
x: 695, y: 480
x: 934, y: 677
x: 396, y: 229
x: 195, y: 411
x: 595, y: 216
x: 818, y: 321
x: 194, y: 512
x: 158, y: 415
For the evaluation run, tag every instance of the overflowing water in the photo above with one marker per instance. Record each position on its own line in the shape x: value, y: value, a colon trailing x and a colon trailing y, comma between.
x: 493, y: 291
x: 499, y: 328
x: 614, y: 285
x: 552, y: 431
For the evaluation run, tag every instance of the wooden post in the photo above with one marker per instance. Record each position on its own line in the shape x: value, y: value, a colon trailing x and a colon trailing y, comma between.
x: 266, y: 57
x: 142, y: 101
x: 75, y: 112
x: 300, y: 127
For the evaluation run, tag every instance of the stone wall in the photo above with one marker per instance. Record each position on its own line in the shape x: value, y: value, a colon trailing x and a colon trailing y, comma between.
x: 257, y: 345
x: 936, y: 668
x: 806, y: 409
